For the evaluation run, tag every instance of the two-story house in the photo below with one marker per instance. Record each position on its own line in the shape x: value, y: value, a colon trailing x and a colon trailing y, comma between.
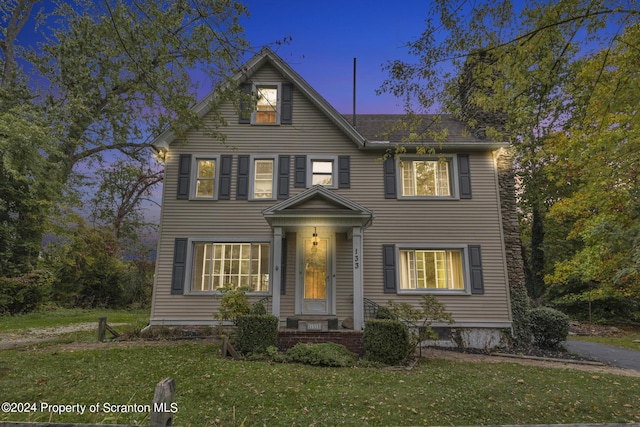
x: 298, y: 206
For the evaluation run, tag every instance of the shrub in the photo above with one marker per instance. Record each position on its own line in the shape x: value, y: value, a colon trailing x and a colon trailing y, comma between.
x: 256, y: 333
x: 384, y: 313
x: 325, y: 354
x: 24, y: 293
x: 387, y: 341
x: 549, y: 327
x: 258, y: 309
x: 520, y: 315
x: 234, y: 303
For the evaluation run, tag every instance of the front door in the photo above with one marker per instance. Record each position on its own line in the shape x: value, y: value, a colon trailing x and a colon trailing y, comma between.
x: 315, y: 278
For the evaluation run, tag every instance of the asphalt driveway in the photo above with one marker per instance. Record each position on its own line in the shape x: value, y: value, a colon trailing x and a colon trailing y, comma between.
x: 614, y: 356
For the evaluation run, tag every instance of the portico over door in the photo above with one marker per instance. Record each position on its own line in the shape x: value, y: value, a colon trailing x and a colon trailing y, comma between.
x: 315, y: 284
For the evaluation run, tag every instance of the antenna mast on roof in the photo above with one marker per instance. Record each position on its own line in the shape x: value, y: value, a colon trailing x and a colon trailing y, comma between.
x: 354, y: 92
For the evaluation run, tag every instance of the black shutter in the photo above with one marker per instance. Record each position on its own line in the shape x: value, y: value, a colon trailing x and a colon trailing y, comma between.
x: 390, y: 189
x: 283, y: 177
x: 389, y: 268
x: 224, y: 192
x: 184, y: 174
x: 179, y: 266
x: 283, y: 268
x: 344, y: 172
x: 300, y: 173
x: 242, y: 186
x: 475, y: 265
x: 286, y: 104
x: 245, y: 110
x: 464, y: 176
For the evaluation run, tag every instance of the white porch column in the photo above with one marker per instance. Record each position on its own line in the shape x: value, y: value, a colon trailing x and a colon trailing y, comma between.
x: 276, y: 271
x: 358, y: 290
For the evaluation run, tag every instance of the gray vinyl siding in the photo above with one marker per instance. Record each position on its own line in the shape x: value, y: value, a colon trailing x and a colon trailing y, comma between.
x: 465, y: 221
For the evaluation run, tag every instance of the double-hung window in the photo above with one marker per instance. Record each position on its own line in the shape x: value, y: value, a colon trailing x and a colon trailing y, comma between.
x: 431, y: 269
x: 322, y: 171
x: 263, y: 179
x: 224, y: 265
x: 205, y: 178
x: 426, y: 178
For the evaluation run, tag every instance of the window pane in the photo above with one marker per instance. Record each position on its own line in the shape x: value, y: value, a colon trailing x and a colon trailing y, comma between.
x: 231, y: 264
x: 425, y: 178
x: 206, y: 168
x: 204, y: 188
x: 322, y: 166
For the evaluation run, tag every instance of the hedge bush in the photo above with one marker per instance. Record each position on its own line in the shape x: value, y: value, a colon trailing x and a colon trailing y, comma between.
x: 325, y: 354
x: 255, y: 333
x: 387, y: 341
x: 24, y: 293
x: 549, y: 327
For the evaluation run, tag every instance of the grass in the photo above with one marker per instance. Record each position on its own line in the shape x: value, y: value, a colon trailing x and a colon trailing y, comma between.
x: 64, y: 317
x: 212, y: 391
x: 626, y: 340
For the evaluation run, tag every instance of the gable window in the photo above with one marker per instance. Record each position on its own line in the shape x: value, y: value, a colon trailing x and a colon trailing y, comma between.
x: 426, y: 178
x: 263, y: 182
x: 205, y: 178
x: 431, y: 269
x: 224, y: 265
x: 267, y: 104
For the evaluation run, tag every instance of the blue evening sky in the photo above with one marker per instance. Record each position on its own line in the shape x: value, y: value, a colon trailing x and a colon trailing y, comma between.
x: 328, y: 34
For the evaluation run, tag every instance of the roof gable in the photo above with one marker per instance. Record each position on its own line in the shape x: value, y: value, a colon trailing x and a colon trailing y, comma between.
x: 245, y: 73
x: 317, y: 198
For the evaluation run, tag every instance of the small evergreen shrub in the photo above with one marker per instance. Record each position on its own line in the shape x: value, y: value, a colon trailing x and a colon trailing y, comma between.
x: 385, y: 313
x: 549, y: 327
x: 258, y: 309
x: 387, y: 341
x: 325, y: 354
x: 256, y: 333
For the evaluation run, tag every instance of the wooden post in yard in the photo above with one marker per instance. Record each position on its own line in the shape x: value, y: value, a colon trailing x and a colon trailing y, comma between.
x: 102, y: 328
x: 163, y: 403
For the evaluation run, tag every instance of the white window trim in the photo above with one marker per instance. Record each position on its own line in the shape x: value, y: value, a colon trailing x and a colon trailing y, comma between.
x: 193, y: 179
x: 254, y: 91
x: 252, y: 176
x: 446, y: 246
x: 190, y: 260
x: 452, y: 159
x: 334, y: 170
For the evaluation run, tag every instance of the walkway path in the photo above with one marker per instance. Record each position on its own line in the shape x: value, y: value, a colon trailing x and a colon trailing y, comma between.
x: 614, y: 356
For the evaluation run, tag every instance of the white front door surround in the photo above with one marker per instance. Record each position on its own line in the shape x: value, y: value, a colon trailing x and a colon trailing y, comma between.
x: 328, y: 212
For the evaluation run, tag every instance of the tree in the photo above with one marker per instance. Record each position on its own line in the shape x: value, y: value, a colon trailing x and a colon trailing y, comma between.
x: 512, y: 75
x: 602, y: 154
x: 110, y: 76
x: 117, y: 203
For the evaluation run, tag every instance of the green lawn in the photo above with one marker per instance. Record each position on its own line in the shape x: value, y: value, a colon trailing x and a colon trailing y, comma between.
x: 216, y: 392
x: 625, y: 341
x: 63, y: 317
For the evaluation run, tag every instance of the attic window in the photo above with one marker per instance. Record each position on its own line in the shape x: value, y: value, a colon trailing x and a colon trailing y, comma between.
x: 267, y: 104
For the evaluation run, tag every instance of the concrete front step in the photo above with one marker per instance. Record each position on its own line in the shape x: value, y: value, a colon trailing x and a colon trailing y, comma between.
x: 313, y: 323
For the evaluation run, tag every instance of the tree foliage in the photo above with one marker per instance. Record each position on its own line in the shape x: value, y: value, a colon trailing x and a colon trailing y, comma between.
x: 558, y: 80
x: 108, y: 76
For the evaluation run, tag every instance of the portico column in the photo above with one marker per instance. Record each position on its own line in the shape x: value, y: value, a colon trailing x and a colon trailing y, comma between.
x: 277, y: 271
x: 358, y: 290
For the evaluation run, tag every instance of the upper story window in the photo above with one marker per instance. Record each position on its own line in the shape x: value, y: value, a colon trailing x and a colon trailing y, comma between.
x: 266, y: 104
x: 205, y: 178
x: 428, y: 178
x: 271, y: 103
x: 263, y: 182
x: 322, y: 172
